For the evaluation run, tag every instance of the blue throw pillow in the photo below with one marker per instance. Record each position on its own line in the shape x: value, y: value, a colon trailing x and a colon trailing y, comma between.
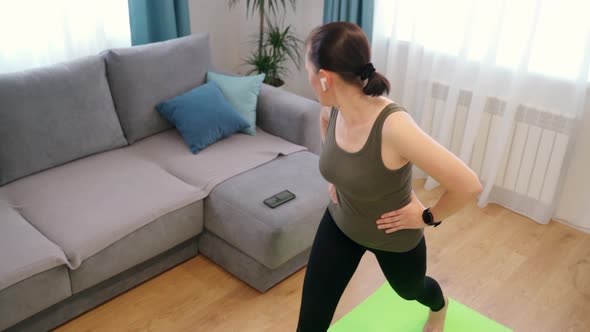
x: 202, y: 116
x: 242, y: 93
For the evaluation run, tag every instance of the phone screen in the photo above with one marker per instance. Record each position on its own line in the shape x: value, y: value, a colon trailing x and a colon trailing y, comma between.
x: 284, y: 194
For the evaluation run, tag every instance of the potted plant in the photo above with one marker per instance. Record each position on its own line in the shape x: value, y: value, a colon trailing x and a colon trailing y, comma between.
x: 276, y: 45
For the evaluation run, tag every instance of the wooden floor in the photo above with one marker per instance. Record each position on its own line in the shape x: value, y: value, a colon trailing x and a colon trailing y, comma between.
x: 524, y: 275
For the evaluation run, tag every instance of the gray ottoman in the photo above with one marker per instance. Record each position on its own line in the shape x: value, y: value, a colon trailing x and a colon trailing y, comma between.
x: 260, y: 245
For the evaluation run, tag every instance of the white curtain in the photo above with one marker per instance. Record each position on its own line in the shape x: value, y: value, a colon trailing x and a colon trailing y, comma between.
x: 38, y: 32
x: 503, y: 85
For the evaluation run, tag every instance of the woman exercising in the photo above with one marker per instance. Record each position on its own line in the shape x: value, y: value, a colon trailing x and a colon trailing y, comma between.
x: 369, y: 146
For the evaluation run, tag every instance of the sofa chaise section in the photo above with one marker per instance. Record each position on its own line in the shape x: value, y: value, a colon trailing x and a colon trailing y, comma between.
x: 260, y: 245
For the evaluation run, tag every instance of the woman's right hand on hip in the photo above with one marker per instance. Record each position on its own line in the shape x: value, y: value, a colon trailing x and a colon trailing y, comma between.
x: 332, y: 191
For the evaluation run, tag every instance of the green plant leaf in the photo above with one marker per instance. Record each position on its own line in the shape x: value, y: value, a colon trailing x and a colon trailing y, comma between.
x: 284, y: 43
x: 275, y: 44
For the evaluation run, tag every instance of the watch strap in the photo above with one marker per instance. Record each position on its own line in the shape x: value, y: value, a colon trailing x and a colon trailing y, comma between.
x: 429, y: 218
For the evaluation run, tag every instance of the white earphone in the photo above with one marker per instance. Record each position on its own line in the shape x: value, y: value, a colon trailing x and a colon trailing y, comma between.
x: 323, y: 83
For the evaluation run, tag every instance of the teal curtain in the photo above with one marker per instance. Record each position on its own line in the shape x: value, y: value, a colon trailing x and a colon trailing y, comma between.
x: 158, y: 20
x: 356, y: 11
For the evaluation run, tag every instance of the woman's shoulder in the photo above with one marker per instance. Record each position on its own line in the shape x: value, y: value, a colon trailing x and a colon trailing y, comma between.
x: 400, y: 131
x: 398, y: 120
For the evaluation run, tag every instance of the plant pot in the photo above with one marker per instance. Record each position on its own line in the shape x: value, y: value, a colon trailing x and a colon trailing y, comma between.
x: 278, y: 83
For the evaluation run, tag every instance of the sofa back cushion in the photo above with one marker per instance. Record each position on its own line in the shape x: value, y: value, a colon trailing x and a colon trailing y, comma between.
x: 143, y: 76
x: 52, y: 115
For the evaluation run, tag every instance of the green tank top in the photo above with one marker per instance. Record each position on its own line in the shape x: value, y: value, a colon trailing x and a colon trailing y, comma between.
x: 366, y: 188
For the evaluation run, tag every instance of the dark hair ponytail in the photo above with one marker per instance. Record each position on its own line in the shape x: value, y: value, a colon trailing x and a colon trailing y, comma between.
x: 343, y: 47
x: 377, y: 85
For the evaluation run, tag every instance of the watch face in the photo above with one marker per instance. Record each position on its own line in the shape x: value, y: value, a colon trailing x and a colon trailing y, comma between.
x: 427, y: 216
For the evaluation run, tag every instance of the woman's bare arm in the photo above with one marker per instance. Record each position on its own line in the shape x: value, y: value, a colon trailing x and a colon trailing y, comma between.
x: 324, y: 119
x: 415, y: 145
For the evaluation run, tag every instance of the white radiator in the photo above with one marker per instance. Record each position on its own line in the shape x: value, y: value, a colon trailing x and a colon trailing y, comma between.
x: 533, y: 156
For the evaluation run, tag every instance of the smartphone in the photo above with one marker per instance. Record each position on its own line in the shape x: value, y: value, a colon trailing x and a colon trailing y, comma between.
x: 278, y: 199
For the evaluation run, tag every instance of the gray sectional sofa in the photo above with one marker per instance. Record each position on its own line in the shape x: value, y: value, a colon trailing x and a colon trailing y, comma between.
x: 98, y: 193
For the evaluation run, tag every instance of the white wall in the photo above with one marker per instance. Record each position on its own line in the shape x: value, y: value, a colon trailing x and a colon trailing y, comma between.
x: 232, y: 34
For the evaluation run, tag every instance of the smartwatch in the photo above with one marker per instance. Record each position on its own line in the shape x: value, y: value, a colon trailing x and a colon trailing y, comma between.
x: 429, y: 218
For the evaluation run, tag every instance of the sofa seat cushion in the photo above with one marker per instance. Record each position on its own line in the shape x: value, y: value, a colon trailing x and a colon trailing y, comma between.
x: 87, y: 205
x: 147, y: 242
x: 235, y: 212
x: 218, y: 162
x: 24, y: 252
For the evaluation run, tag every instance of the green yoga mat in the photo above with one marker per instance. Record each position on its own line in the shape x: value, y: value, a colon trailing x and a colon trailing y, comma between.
x: 385, y: 311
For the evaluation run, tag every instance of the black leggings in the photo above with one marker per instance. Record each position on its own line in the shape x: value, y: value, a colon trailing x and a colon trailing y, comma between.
x: 333, y: 260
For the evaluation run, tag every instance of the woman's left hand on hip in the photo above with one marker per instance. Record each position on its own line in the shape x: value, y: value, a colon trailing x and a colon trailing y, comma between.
x: 407, y: 217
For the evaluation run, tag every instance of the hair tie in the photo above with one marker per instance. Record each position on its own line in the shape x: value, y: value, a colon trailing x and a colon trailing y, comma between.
x: 367, y: 71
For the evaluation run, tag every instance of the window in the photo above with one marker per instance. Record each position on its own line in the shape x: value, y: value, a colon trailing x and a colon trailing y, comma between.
x: 558, y: 42
x: 39, y: 32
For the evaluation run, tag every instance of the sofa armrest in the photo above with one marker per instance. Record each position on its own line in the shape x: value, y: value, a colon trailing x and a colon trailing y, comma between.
x: 289, y: 116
